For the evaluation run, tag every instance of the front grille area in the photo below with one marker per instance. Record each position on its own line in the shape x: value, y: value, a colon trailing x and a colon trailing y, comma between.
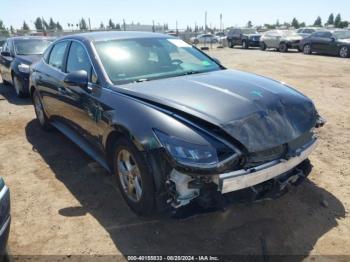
x: 259, y: 158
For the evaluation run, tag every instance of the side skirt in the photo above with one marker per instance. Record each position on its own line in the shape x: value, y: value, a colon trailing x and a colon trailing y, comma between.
x: 82, y: 143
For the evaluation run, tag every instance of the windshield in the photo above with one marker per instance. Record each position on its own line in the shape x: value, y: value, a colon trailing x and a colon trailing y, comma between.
x: 249, y: 31
x: 342, y: 34
x: 144, y: 59
x: 31, y: 46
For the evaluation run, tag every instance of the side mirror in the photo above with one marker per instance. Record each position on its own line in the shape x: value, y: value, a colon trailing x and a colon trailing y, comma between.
x: 78, y: 78
x: 332, y: 38
x: 6, y: 53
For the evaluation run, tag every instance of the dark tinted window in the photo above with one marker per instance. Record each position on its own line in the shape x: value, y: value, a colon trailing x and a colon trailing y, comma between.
x: 78, y: 59
x: 322, y: 34
x: 57, y: 54
x: 309, y: 31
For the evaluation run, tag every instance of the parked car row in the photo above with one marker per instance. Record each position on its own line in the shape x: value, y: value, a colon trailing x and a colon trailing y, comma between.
x: 145, y: 106
x: 307, y: 40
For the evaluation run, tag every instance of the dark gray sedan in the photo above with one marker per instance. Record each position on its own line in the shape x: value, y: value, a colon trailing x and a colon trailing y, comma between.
x: 174, y: 125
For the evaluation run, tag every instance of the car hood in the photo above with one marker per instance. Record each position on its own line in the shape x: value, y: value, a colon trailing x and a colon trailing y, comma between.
x: 258, y: 112
x: 28, y: 59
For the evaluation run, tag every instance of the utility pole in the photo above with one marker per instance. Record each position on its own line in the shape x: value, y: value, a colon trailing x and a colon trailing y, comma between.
x: 124, y: 26
x: 220, y: 22
x: 89, y: 24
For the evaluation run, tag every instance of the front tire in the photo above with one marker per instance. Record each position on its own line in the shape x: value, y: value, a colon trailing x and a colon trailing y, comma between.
x: 245, y: 44
x: 40, y: 112
x: 262, y: 46
x: 344, y: 52
x: 283, y: 48
x: 134, y: 180
x: 307, y: 49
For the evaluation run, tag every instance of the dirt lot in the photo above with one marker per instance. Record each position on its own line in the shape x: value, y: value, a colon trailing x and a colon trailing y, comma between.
x: 63, y: 203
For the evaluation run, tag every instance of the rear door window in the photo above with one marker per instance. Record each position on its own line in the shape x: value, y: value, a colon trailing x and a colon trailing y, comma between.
x: 57, y: 55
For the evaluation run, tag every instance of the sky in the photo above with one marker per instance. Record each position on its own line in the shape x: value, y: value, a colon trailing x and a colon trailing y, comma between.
x: 185, y: 12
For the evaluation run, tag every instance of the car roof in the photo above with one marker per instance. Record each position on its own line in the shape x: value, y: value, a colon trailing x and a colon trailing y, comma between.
x: 114, y: 35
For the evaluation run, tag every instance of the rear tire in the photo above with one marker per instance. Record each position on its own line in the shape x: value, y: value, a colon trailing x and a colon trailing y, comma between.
x: 262, y: 46
x: 344, y: 52
x: 134, y: 180
x: 283, y: 47
x: 307, y: 49
x: 40, y: 112
x: 245, y: 44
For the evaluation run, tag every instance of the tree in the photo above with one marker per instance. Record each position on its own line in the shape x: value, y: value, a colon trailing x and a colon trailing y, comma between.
x: 25, y: 26
x: 12, y: 30
x: 278, y: 23
x: 111, y: 25
x: 344, y: 24
x: 59, y: 27
x: 38, y: 24
x: 102, y: 26
x: 330, y: 19
x: 318, y: 21
x: 295, y: 23
x: 249, y: 24
x: 52, y: 25
x: 337, y: 21
x: 2, y: 26
x: 45, y: 25
x: 82, y: 24
x: 302, y: 24
x: 117, y: 27
x: 3, y: 30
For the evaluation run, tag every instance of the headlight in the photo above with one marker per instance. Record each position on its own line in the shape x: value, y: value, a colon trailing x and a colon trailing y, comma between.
x: 23, y: 68
x: 190, y: 154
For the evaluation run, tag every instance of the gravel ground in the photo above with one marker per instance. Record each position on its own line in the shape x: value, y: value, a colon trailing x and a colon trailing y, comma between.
x: 63, y: 203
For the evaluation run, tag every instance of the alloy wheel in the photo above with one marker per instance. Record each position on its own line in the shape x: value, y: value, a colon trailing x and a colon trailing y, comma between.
x: 307, y: 49
x: 344, y: 52
x: 129, y: 175
x: 39, y: 110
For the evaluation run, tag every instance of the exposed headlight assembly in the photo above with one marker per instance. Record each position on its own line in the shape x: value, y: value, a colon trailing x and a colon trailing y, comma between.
x: 188, y: 154
x: 23, y: 68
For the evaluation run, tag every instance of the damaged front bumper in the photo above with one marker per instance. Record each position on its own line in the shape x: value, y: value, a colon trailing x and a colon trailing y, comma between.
x: 246, y: 178
x: 207, y: 189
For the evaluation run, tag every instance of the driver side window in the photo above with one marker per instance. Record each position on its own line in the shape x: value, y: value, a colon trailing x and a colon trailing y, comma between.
x: 78, y: 60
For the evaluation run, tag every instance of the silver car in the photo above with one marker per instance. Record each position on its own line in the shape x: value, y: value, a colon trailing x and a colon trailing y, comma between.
x: 204, y: 39
x: 307, y: 31
x: 282, y: 40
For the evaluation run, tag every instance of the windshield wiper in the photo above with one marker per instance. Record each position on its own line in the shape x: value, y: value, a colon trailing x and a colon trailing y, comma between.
x: 191, y: 72
x: 141, y: 80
